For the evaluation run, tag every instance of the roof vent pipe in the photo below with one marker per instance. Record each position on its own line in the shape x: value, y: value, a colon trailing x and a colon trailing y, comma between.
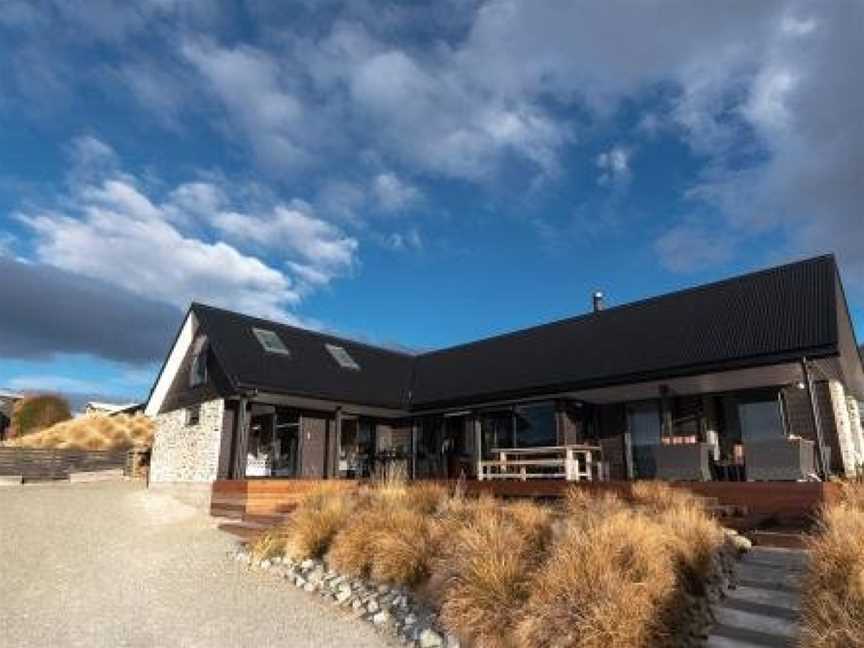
x: 597, y: 301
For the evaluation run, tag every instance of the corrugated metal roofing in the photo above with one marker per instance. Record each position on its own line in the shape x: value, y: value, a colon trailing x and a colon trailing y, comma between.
x: 310, y: 370
x: 757, y: 318
x: 760, y: 316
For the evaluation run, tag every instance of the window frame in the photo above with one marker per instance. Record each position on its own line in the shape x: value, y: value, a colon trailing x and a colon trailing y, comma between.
x: 341, y: 356
x: 264, y: 339
x: 192, y: 415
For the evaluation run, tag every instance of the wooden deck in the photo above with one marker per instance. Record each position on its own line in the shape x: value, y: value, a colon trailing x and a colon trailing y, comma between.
x: 257, y: 503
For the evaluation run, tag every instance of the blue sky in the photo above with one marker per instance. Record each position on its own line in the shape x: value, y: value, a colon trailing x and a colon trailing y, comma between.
x: 405, y: 173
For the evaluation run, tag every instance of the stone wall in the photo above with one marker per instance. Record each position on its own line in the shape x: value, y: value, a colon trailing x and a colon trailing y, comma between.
x: 188, y: 453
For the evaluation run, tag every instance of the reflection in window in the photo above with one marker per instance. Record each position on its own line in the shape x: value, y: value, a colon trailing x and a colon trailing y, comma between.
x: 356, y: 448
x: 643, y: 422
x: 760, y: 421
x: 198, y: 366
x: 535, y: 425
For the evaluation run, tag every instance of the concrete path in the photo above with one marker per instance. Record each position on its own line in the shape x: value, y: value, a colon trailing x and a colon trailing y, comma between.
x: 762, y: 611
x: 112, y: 564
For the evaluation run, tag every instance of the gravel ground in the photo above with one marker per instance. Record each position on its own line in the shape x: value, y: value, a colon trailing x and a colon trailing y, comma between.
x: 112, y: 564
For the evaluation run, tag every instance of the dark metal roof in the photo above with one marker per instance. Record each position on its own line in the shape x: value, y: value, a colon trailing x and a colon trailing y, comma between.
x: 310, y: 370
x: 760, y: 318
x: 753, y: 319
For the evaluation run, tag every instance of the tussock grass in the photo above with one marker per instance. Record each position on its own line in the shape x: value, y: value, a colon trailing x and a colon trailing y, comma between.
x: 312, y: 527
x: 659, y: 496
x: 92, y: 432
x: 485, y: 571
x: 592, y: 571
x: 832, y: 607
x: 269, y: 544
x: 602, y: 586
x: 693, y: 539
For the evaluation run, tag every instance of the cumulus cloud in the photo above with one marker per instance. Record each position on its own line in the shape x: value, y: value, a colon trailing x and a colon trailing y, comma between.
x: 110, y: 229
x: 393, y: 194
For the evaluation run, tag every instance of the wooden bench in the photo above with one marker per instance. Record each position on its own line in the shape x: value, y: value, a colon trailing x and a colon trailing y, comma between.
x: 568, y: 462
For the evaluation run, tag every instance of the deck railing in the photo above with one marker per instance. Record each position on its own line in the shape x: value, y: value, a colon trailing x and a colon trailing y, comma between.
x: 568, y: 462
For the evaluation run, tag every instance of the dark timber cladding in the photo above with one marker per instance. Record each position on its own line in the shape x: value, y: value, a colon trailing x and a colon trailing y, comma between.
x: 773, y: 316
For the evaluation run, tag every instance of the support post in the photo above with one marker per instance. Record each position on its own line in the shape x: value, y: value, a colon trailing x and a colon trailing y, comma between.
x: 413, y: 448
x: 241, y: 446
x: 821, y: 468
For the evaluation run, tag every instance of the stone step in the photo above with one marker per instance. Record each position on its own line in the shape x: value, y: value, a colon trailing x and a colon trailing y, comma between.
x: 780, y: 539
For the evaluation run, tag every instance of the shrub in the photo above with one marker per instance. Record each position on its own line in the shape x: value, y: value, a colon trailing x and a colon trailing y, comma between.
x: 602, y: 587
x: 269, y: 544
x: 832, y: 607
x: 401, y: 547
x: 35, y: 413
x: 93, y: 432
x: 315, y: 523
x: 659, y: 496
x: 485, y: 571
x: 351, y: 551
x: 694, y: 539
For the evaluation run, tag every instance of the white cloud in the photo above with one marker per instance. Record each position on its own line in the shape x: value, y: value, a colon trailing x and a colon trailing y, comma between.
x: 393, y: 194
x: 614, y: 165
x: 249, y: 84
x: 400, y: 242
x: 320, y: 249
x: 688, y: 248
x: 110, y: 229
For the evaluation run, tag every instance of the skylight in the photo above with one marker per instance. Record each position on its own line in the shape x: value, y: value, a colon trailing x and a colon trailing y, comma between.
x: 271, y: 342
x: 341, y: 356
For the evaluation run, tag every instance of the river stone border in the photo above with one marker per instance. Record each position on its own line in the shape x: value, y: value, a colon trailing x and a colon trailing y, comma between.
x: 395, y: 612
x: 392, y: 610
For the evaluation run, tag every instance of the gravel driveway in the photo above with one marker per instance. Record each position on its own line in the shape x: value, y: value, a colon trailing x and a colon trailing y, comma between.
x: 112, y: 564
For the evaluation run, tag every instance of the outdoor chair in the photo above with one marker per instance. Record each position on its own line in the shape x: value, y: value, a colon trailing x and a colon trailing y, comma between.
x: 684, y: 462
x: 779, y: 460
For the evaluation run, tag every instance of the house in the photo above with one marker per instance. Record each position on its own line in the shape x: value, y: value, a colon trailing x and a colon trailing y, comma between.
x: 757, y: 377
x: 111, y: 409
x: 7, y: 405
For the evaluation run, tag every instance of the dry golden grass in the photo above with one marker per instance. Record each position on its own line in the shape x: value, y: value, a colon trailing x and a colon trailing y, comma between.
x: 269, y: 544
x: 593, y: 572
x: 694, y: 539
x: 832, y: 607
x: 402, y: 548
x: 659, y: 496
x: 485, y: 569
x: 312, y: 527
x: 604, y: 585
x: 92, y: 432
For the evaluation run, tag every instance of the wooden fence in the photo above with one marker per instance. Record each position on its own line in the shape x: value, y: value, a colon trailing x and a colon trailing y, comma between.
x: 45, y: 463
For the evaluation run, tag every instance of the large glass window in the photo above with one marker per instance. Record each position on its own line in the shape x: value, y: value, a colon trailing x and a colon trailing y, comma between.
x: 497, y: 430
x: 535, y: 425
x: 760, y: 420
x: 643, y: 422
x: 356, y: 448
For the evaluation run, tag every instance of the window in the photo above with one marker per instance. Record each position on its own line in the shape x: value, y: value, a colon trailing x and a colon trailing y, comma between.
x: 341, y: 356
x: 271, y: 342
x: 760, y: 420
x: 193, y: 415
x: 643, y: 421
x: 535, y: 425
x: 198, y: 368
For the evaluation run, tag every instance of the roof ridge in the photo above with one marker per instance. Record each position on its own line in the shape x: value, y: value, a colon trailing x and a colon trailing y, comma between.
x: 639, y: 302
x: 320, y: 334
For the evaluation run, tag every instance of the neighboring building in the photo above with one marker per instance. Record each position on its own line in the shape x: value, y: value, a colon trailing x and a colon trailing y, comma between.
x: 7, y: 405
x: 735, y: 379
x: 111, y: 409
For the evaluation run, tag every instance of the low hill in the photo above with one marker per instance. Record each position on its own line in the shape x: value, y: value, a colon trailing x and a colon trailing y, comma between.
x: 92, y: 432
